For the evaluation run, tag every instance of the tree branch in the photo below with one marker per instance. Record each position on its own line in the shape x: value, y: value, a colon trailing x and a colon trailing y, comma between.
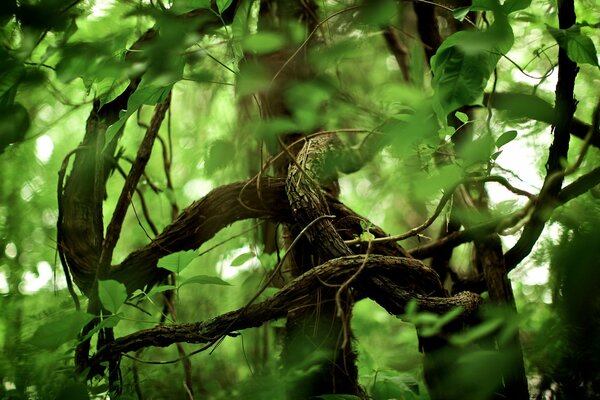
x: 391, y: 281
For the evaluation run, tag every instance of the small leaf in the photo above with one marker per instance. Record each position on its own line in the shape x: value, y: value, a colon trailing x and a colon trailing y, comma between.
x: 176, y: 262
x: 205, y: 280
x: 445, y: 132
x: 112, y: 294
x: 505, y: 138
x: 367, y: 236
x: 222, y: 5
x: 461, y: 12
x: 462, y: 117
x: 242, y: 258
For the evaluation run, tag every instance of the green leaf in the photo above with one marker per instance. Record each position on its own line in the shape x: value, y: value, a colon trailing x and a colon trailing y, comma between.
x: 14, y: 124
x: 176, y: 262
x: 510, y: 6
x: 338, y: 397
x: 110, y: 322
x: 242, y: 258
x: 10, y: 73
x: 112, y: 294
x: 264, y: 42
x: 52, y: 334
x: 219, y: 155
x: 160, y: 289
x: 204, y: 280
x: 462, y: 117
x: 482, y: 330
x: 74, y: 391
x: 460, y: 13
x: 145, y: 94
x: 578, y: 46
x: 181, y: 6
x: 222, y: 5
x: 505, y: 138
x: 465, y: 61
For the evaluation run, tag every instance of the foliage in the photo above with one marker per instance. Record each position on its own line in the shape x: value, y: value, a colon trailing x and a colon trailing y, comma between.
x: 458, y: 140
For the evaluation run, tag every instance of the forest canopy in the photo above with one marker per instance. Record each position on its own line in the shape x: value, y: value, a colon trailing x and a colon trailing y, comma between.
x: 250, y: 199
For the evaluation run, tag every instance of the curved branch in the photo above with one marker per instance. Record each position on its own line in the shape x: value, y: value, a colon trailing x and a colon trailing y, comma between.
x: 391, y: 281
x: 200, y: 222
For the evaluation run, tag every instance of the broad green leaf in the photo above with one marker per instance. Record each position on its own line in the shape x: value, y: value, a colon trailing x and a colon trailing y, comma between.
x: 109, y: 89
x: 52, y: 334
x: 204, y: 280
x: 264, y: 42
x: 242, y: 258
x: 177, y: 262
x: 505, y: 138
x: 112, y: 294
x: 222, y: 5
x: 465, y: 61
x: 579, y: 47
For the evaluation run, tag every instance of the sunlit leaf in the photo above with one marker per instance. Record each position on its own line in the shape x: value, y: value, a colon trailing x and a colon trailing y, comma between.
x: 112, y: 294
x: 51, y: 335
x: 462, y: 117
x: 204, y: 280
x: 177, y: 262
x: 242, y: 258
x: 505, y: 138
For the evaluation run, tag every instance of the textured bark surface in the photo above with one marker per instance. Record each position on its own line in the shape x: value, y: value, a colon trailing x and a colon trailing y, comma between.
x: 390, y: 281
